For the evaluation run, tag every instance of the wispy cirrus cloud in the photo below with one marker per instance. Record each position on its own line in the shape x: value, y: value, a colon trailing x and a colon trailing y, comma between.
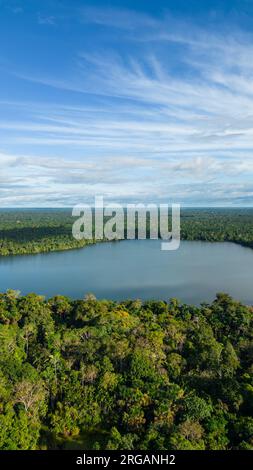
x: 119, y: 18
x: 171, y: 116
x: 46, y: 20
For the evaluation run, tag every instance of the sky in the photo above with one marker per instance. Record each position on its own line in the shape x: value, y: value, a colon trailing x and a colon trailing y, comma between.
x: 137, y: 101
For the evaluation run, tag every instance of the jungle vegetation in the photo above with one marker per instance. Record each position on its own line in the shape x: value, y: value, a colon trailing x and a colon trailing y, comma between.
x: 105, y: 375
x: 35, y: 231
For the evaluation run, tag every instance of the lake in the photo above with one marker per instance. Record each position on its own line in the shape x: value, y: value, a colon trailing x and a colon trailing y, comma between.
x: 135, y: 269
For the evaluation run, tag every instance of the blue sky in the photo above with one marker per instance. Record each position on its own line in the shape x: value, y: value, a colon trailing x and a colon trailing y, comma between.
x: 138, y: 101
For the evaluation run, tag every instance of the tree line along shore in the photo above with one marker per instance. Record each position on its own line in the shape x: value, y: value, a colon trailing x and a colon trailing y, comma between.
x: 37, y: 231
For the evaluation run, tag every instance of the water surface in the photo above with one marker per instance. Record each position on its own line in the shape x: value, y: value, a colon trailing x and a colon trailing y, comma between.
x: 135, y: 269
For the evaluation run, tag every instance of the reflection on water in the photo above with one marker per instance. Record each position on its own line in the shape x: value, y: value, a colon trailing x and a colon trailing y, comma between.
x: 135, y: 269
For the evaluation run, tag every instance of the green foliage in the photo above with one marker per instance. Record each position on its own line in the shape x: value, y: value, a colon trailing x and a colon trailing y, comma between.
x: 35, y: 231
x: 196, y: 408
x: 100, y: 374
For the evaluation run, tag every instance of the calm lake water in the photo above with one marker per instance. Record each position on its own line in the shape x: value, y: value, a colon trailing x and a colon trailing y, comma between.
x: 135, y: 269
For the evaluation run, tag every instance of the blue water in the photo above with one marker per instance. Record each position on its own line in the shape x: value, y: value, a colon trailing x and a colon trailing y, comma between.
x: 135, y: 269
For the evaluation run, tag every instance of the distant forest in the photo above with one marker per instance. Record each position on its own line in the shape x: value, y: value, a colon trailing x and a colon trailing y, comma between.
x: 89, y: 374
x: 35, y: 231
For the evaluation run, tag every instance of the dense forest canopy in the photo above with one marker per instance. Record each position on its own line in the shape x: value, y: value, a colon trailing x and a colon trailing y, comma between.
x: 105, y: 375
x: 34, y: 231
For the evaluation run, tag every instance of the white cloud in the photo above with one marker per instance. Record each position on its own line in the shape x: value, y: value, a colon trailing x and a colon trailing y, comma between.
x: 145, y: 130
